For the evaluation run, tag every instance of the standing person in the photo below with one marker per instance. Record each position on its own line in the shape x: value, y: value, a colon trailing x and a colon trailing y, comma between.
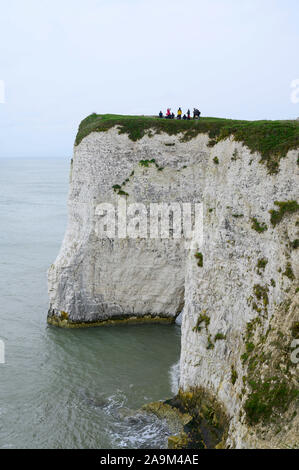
x: 196, y: 113
x: 188, y: 114
x: 160, y: 114
x: 179, y: 116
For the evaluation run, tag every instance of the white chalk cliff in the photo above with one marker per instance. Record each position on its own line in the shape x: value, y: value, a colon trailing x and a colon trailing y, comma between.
x: 240, y: 304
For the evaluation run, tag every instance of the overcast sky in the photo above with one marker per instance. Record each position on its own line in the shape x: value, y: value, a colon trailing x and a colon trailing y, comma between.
x: 64, y: 59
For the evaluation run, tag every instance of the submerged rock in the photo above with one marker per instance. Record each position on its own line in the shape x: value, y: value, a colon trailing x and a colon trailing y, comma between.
x: 176, y: 420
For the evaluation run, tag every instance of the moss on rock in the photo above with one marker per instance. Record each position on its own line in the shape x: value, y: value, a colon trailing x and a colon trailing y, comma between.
x: 199, y: 257
x: 271, y: 385
x: 63, y: 321
x: 196, y: 418
x: 209, y: 425
x: 289, y: 272
x: 285, y: 207
x: 259, y: 227
x: 176, y: 420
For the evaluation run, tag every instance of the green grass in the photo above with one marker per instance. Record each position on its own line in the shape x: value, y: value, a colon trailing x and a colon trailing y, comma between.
x: 249, y: 347
x: 122, y: 193
x: 285, y: 207
x: 219, y: 336
x: 259, y: 227
x: 272, y: 139
x: 261, y: 265
x: 261, y: 293
x: 234, y: 375
x: 266, y: 397
x: 289, y: 272
x: 199, y: 256
x: 203, y: 318
x: 147, y: 163
x: 269, y: 393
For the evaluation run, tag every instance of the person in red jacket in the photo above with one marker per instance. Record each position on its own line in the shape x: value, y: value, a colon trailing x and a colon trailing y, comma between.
x: 168, y: 114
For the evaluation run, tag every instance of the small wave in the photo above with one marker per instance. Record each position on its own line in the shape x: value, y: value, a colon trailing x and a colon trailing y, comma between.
x: 134, y: 429
x: 140, y: 431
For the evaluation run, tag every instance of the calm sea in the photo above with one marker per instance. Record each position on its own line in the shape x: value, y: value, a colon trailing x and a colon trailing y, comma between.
x: 60, y: 388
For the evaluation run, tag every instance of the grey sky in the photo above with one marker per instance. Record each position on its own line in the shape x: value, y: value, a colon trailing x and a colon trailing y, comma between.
x: 64, y: 59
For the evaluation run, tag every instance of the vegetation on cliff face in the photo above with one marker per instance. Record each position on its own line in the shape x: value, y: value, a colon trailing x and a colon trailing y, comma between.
x: 272, y: 139
x: 199, y: 257
x: 208, y: 426
x: 285, y: 207
x: 259, y: 227
x: 196, y: 418
x: 271, y: 378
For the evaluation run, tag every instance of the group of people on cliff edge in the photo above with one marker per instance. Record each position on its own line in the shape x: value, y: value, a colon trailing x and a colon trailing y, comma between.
x: 186, y: 116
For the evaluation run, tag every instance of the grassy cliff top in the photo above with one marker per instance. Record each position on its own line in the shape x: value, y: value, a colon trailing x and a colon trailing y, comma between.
x: 272, y: 139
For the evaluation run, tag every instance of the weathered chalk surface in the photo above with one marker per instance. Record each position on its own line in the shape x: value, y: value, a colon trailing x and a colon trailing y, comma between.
x: 240, y: 306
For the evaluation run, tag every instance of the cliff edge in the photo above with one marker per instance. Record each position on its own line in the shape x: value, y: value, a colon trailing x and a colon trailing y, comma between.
x: 237, y: 287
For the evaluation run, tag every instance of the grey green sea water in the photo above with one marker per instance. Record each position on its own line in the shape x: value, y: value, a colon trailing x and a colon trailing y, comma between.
x: 67, y: 388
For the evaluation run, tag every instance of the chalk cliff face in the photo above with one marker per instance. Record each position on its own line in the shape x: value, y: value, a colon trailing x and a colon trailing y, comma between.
x: 238, y: 291
x: 95, y: 279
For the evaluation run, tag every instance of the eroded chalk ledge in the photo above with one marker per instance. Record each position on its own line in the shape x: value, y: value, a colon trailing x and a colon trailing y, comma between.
x: 61, y: 319
x: 196, y: 419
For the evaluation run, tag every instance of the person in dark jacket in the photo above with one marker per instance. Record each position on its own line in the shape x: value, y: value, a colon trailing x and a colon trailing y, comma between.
x: 196, y: 113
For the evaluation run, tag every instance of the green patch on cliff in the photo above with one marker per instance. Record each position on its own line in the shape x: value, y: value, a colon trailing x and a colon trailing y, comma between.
x: 122, y: 193
x: 271, y: 385
x: 259, y: 227
x: 199, y: 257
x: 261, y: 293
x: 234, y: 375
x: 285, y: 207
x: 208, y: 428
x: 146, y: 163
x: 203, y: 318
x: 289, y: 272
x: 267, y: 396
x: 272, y: 139
x: 261, y: 265
x: 196, y: 418
x: 219, y: 337
x: 62, y: 320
